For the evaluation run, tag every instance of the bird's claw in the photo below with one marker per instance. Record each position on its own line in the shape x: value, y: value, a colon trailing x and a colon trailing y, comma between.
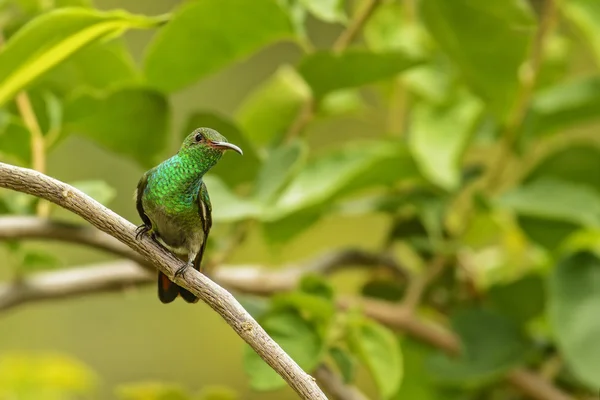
x: 141, y: 230
x: 182, y: 269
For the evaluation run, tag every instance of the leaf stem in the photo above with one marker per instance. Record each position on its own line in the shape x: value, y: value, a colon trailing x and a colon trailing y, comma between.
x: 308, y: 111
x: 349, y: 34
x: 529, y: 74
x: 38, y: 146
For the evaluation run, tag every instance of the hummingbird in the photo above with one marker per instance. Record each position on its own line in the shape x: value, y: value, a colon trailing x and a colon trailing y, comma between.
x: 173, y: 203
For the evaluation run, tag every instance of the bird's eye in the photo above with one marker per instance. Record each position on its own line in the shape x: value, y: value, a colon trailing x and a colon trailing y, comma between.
x: 198, y: 137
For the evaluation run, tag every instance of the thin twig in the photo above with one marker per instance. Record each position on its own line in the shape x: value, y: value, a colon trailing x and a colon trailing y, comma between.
x: 303, y: 118
x: 29, y: 227
x: 307, y: 112
x: 417, y: 286
x: 349, y: 34
x: 73, y: 282
x: 38, y: 147
x: 335, y: 387
x: 37, y: 184
x: 529, y: 77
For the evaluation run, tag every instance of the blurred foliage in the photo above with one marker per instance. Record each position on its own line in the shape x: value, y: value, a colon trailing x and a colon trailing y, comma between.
x: 480, y: 146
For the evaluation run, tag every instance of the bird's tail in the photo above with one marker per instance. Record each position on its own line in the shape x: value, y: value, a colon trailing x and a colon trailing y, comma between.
x: 168, y: 291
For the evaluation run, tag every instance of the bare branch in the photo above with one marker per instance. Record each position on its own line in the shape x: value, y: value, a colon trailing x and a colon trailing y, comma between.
x: 98, y: 278
x: 66, y: 196
x: 26, y: 227
x: 418, y: 285
x: 335, y: 387
x: 356, y: 25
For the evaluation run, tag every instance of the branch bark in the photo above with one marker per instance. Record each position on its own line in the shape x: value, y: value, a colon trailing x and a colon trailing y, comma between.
x: 37, y: 184
x: 334, y: 385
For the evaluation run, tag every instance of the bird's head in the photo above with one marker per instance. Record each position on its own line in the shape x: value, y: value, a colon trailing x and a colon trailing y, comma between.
x: 207, y: 146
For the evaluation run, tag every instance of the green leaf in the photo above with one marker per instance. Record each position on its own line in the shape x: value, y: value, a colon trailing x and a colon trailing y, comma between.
x: 297, y: 338
x: 17, y: 202
x: 556, y: 200
x: 130, y: 121
x: 522, y: 299
x: 14, y: 138
x: 100, y: 191
x: 326, y: 10
x: 549, y: 234
x: 283, y: 163
x: 227, y: 207
x: 383, y: 289
x: 341, y: 102
x: 316, y: 285
x: 54, y: 111
x: 574, y: 294
x: 34, y: 260
x: 53, y: 37
x: 417, y: 382
x: 344, y: 362
x: 390, y: 29
x: 83, y: 69
x: 491, y: 344
x: 577, y: 164
x: 204, y: 36
x: 489, y: 49
x: 269, y: 111
x: 317, y: 309
x: 344, y: 171
x: 235, y: 169
x: 297, y: 15
x: 151, y: 391
x: 585, y: 14
x: 255, y: 305
x: 564, y: 106
x: 439, y: 136
x: 280, y: 229
x: 325, y: 71
x: 433, y: 82
x: 378, y: 349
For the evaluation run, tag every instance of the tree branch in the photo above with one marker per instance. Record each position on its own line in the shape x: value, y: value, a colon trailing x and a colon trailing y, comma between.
x: 73, y: 282
x: 37, y: 184
x: 29, y: 227
x: 356, y: 26
x: 334, y: 385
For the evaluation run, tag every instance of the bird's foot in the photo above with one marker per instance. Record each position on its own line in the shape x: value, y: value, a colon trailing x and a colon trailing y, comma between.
x: 141, y: 230
x: 181, y: 270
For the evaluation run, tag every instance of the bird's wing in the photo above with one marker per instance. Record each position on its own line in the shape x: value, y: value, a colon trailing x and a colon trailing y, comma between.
x: 205, y: 212
x: 138, y: 198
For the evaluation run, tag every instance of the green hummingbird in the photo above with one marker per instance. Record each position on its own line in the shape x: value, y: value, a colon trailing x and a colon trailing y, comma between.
x: 174, y: 206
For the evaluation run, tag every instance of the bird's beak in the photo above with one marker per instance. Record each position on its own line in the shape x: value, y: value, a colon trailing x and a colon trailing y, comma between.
x: 229, y: 146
